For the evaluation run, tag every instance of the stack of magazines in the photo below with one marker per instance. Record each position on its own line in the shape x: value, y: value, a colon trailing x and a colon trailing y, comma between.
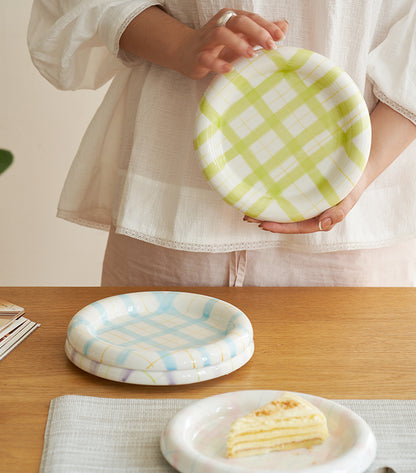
x: 14, y: 327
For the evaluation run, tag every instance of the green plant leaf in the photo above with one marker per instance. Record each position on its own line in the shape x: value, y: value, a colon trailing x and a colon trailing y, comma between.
x: 6, y: 158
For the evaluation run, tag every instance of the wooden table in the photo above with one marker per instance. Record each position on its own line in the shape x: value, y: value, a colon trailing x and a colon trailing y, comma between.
x: 339, y: 343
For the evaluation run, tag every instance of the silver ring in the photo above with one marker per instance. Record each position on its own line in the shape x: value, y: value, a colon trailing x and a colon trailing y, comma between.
x: 223, y: 19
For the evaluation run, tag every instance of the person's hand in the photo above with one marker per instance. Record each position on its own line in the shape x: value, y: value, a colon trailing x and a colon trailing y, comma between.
x: 323, y: 222
x: 161, y: 39
x: 391, y: 134
x: 213, y: 47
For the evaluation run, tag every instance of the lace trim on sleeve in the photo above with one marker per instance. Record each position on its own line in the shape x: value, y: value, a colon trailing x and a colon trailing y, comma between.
x: 395, y: 106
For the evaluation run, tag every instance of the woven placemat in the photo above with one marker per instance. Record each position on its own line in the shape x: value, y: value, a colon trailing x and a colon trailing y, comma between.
x: 88, y: 434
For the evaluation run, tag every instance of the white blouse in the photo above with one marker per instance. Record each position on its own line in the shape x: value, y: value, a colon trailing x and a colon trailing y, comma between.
x: 136, y: 168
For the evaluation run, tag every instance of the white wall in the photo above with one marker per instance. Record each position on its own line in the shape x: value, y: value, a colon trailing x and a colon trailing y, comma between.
x: 42, y: 127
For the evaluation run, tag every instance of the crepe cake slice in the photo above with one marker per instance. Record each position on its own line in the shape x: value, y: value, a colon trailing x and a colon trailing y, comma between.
x: 285, y: 423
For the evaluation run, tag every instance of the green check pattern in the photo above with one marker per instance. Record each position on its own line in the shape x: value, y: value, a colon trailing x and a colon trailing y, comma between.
x: 283, y: 136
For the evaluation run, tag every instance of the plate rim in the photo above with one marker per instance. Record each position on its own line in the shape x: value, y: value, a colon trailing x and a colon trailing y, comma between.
x: 241, y: 359
x: 197, y: 459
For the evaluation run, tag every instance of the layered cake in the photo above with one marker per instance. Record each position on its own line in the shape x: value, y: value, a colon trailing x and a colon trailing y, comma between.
x: 285, y: 423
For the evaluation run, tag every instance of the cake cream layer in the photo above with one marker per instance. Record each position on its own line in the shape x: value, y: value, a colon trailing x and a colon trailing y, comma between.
x: 265, y: 435
x: 248, y: 428
x: 261, y: 449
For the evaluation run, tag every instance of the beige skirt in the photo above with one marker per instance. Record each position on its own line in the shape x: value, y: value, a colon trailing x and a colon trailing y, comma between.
x: 131, y: 262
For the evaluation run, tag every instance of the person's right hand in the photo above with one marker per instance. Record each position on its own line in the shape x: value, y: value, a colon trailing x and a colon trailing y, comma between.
x: 213, y: 48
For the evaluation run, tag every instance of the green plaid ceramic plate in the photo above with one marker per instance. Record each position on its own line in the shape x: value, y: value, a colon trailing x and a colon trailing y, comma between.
x: 283, y: 136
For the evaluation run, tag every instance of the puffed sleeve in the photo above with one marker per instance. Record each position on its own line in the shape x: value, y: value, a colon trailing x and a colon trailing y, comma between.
x: 392, y: 66
x: 75, y: 43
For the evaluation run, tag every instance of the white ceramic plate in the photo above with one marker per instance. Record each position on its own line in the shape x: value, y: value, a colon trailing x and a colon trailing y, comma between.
x: 160, y: 332
x: 283, y: 136
x: 159, y: 378
x: 194, y: 441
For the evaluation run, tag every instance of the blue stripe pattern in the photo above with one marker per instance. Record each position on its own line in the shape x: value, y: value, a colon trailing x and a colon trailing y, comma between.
x: 161, y: 329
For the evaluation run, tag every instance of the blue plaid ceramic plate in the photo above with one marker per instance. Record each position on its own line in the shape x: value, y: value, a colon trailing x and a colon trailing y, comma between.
x: 167, y: 337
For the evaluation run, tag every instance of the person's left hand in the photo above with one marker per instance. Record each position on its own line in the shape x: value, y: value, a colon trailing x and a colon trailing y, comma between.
x: 391, y: 134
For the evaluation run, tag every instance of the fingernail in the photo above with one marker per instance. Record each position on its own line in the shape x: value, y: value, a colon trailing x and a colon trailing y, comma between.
x: 250, y: 52
x: 271, y: 44
x: 325, y: 224
x: 284, y: 27
x: 281, y: 20
x: 279, y: 35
